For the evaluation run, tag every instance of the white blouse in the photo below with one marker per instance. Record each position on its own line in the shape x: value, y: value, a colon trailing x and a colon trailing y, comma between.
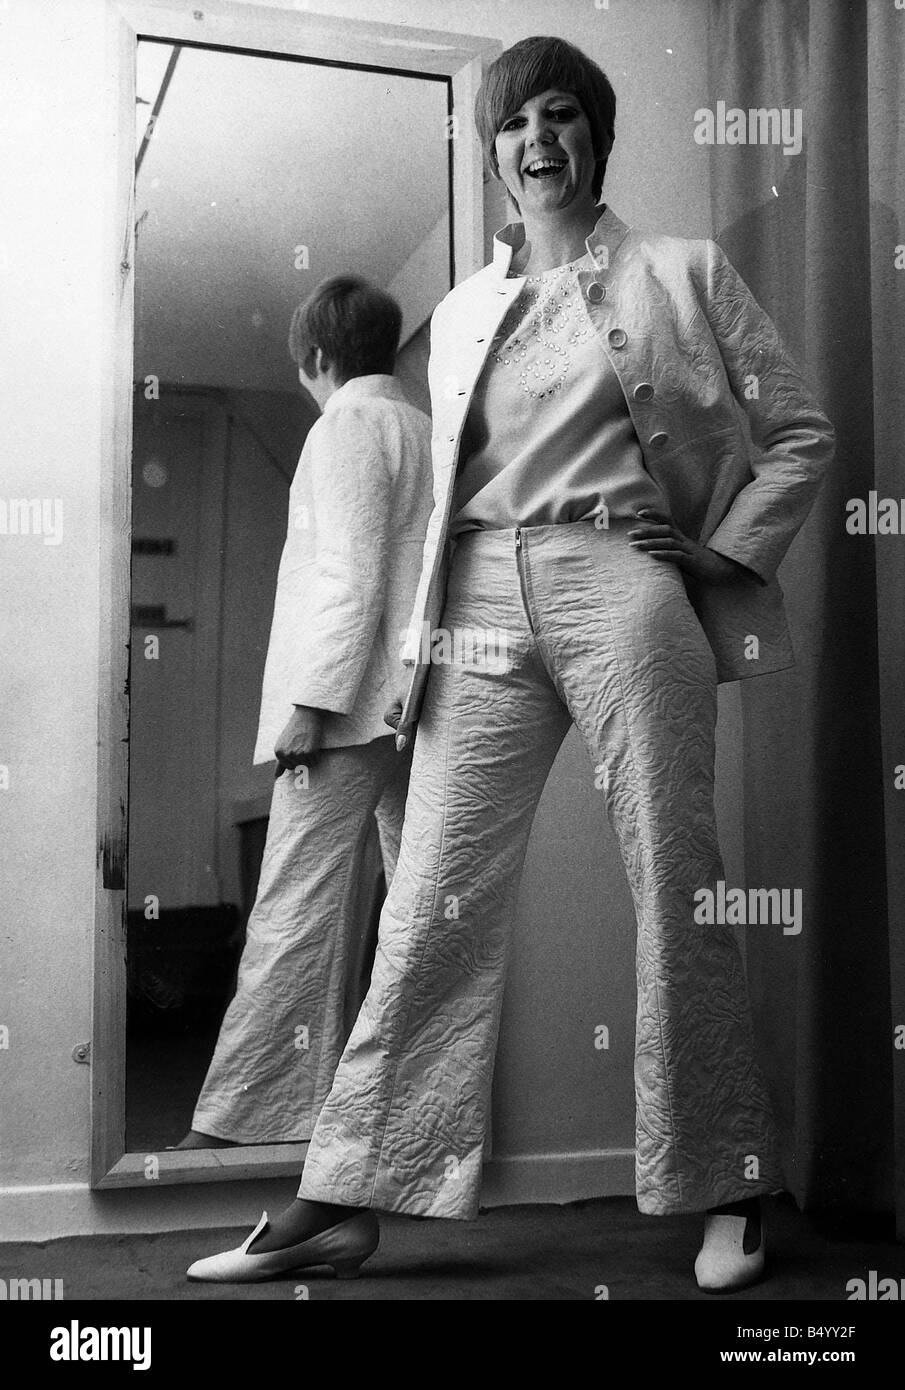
x: 548, y: 437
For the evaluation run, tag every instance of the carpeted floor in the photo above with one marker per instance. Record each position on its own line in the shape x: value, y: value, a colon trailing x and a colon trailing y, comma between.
x: 511, y: 1253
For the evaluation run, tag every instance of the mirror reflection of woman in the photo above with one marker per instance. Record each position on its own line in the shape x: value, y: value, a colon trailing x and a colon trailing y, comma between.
x: 362, y: 484
x: 601, y: 511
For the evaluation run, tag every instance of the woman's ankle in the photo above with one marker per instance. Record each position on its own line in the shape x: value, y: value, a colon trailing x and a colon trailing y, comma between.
x: 750, y: 1209
x: 298, y: 1222
x: 746, y: 1206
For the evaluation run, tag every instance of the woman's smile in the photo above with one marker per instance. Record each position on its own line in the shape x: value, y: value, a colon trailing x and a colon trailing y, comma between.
x: 546, y: 168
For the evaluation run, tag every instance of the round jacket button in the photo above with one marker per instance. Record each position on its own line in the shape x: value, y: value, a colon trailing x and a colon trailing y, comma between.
x: 643, y: 391
x: 617, y: 337
x: 596, y: 292
x: 657, y: 440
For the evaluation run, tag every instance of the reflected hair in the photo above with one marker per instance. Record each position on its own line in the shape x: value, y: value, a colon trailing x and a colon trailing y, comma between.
x: 535, y: 65
x: 355, y: 325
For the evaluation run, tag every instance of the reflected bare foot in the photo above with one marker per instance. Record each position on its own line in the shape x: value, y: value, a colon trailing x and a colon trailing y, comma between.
x: 299, y: 1221
x: 196, y: 1140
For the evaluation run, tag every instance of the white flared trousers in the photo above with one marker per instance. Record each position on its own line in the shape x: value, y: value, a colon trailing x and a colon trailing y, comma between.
x: 602, y: 635
x: 282, y: 1035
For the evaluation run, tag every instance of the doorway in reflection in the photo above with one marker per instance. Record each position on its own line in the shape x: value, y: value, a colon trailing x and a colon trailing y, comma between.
x: 257, y: 177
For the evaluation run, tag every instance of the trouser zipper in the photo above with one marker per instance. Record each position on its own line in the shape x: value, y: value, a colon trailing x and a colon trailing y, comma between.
x: 521, y: 575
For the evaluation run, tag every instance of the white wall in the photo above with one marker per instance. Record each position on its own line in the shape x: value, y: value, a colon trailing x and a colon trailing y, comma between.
x: 57, y: 106
x: 191, y: 748
x: 654, y: 52
x: 53, y: 149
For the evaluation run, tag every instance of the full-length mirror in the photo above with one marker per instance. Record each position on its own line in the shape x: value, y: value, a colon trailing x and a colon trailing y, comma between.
x: 258, y: 177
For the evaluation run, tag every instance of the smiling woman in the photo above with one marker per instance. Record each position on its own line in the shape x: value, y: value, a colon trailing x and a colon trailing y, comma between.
x: 574, y: 504
x: 553, y: 167
x: 556, y: 73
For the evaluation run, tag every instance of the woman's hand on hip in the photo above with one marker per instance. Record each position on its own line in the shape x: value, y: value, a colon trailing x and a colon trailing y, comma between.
x: 660, y: 538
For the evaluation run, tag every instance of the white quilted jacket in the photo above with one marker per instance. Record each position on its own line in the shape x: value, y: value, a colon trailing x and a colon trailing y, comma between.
x: 726, y: 422
x: 358, y: 508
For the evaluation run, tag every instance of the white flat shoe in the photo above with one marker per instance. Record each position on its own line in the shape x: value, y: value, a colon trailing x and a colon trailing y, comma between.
x: 722, y: 1265
x: 343, y: 1247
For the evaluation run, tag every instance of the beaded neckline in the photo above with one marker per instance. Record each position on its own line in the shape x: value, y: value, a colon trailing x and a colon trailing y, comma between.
x: 547, y: 274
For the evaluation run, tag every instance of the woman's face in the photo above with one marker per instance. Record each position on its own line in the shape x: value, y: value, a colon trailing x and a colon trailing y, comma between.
x: 545, y: 154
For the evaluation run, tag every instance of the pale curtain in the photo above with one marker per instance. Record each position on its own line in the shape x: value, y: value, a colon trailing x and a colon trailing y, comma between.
x: 815, y: 235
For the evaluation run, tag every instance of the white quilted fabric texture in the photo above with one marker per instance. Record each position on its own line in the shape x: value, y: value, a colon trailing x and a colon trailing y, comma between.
x: 605, y: 636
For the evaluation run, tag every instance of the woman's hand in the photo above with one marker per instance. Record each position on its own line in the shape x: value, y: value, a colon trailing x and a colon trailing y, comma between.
x: 393, y: 713
x: 300, y: 741
x: 663, y: 541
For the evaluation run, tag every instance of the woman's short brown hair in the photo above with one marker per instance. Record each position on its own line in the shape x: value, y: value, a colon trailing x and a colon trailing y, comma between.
x: 355, y: 324
x: 535, y: 65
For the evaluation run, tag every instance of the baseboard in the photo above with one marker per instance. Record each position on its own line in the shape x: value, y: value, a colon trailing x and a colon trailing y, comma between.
x: 48, y: 1213
x: 558, y: 1178
x: 73, y: 1209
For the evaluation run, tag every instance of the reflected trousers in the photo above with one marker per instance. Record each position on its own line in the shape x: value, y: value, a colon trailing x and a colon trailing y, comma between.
x: 604, y: 636
x: 283, y: 1033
